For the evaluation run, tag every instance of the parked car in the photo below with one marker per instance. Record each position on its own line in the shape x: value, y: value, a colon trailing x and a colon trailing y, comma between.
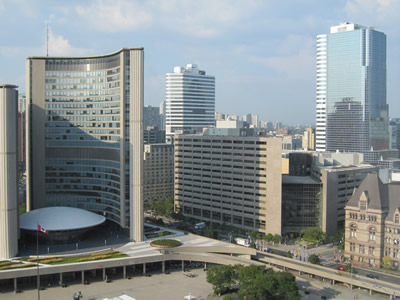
x: 373, y: 276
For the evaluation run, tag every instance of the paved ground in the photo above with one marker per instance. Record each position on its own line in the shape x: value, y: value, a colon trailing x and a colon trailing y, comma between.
x: 173, y: 286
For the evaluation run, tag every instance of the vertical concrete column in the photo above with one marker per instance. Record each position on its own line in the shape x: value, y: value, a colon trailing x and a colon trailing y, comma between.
x: 333, y: 281
x: 144, y: 269
x: 104, y: 273
x: 370, y: 291
x: 163, y: 267
x: 83, y: 277
x: 15, y: 285
x: 124, y: 272
x: 205, y: 265
x: 9, y: 225
x: 183, y: 266
x: 61, y: 278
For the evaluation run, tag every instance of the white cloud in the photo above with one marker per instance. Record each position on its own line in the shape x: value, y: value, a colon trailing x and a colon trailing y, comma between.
x: 381, y: 10
x: 297, y: 60
x: 59, y: 46
x: 113, y: 16
x: 207, y: 18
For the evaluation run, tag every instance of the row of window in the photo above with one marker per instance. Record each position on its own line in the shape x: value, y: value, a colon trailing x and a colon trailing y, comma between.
x: 362, y: 249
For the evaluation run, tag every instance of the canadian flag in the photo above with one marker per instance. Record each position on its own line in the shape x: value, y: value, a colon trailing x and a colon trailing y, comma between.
x: 40, y: 228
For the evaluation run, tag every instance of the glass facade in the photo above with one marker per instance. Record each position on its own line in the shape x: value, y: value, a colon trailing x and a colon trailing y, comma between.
x: 80, y: 143
x: 301, y: 204
x: 356, y: 109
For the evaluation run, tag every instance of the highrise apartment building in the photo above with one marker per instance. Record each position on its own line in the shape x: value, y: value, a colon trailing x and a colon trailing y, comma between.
x: 351, y: 108
x: 229, y: 179
x: 85, y: 135
x: 190, y: 100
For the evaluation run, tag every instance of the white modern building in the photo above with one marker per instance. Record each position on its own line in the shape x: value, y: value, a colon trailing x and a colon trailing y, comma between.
x: 351, y: 107
x: 8, y: 171
x: 190, y: 100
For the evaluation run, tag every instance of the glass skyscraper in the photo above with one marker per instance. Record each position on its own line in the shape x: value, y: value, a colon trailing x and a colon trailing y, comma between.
x: 85, y: 135
x: 351, y: 108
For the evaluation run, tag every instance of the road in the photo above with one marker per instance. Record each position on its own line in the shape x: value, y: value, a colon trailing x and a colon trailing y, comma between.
x: 327, y: 253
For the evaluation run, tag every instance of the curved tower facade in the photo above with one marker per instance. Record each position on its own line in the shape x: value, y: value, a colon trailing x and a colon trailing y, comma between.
x: 8, y: 169
x: 85, y: 135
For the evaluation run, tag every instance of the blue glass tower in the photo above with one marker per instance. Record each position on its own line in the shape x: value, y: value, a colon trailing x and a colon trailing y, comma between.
x: 352, y: 113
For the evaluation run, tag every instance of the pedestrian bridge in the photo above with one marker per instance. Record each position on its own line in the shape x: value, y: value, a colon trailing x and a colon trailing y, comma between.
x: 198, y: 249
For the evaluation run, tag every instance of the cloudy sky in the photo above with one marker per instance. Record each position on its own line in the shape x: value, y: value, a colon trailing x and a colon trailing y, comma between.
x: 262, y: 52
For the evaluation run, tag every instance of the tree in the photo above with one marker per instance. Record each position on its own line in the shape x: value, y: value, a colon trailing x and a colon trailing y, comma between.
x: 163, y: 207
x: 314, y: 259
x: 222, y: 278
x: 349, y: 268
x: 268, y: 237
x: 256, y: 282
x: 277, y: 238
x: 386, y: 262
x: 313, y: 234
x: 209, y: 232
x: 289, y: 254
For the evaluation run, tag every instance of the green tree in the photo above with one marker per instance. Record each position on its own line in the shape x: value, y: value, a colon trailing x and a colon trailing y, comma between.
x: 386, y: 262
x: 163, y: 207
x: 289, y: 254
x: 277, y: 238
x: 313, y: 234
x: 314, y: 259
x: 349, y: 268
x: 256, y: 282
x: 209, y: 232
x: 268, y: 237
x: 222, y: 278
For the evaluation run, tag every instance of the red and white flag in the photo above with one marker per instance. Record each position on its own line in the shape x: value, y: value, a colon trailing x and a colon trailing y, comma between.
x: 40, y: 228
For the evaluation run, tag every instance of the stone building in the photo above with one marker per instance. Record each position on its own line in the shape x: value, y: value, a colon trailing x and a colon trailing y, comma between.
x: 372, y: 223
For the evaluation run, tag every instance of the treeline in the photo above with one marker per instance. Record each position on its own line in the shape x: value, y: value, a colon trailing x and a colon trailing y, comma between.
x: 253, y: 282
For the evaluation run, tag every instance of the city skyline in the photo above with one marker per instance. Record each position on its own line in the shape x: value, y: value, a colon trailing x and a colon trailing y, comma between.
x: 255, y: 50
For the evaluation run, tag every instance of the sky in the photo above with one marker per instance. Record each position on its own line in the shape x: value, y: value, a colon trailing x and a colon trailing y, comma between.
x: 261, y: 52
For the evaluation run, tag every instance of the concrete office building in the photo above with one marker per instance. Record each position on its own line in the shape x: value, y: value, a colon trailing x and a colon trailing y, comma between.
x: 9, y: 230
x: 151, y: 116
x: 229, y: 179
x: 190, y: 100
x: 153, y: 135
x: 373, y: 224
x: 340, y: 174
x: 351, y: 107
x: 85, y: 135
x: 308, y: 141
x: 158, y: 175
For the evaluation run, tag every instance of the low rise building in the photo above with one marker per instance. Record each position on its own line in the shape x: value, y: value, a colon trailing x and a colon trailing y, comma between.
x: 373, y: 225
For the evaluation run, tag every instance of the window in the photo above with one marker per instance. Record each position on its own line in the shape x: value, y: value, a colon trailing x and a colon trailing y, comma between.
x: 396, y: 219
x: 353, y: 230
x: 352, y: 247
x: 362, y: 249
x: 371, y: 234
x: 371, y: 250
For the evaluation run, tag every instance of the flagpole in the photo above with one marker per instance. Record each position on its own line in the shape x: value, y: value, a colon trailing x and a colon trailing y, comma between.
x: 37, y: 260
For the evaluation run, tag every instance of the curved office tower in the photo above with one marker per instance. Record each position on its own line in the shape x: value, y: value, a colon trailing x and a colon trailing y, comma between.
x: 8, y: 169
x: 84, y: 135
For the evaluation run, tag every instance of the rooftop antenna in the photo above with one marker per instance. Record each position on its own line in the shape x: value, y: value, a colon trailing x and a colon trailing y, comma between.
x: 47, y: 38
